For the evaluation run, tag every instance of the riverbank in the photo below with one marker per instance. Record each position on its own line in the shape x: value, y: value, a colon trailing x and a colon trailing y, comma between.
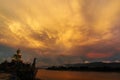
x: 4, y: 76
x: 7, y: 76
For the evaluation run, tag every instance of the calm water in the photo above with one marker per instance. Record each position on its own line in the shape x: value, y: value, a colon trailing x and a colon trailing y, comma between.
x: 72, y: 75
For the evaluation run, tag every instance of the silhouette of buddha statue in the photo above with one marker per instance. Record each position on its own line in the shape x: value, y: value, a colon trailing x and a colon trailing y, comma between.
x: 17, y: 57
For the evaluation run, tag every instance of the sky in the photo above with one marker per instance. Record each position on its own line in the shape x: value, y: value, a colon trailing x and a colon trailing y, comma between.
x: 60, y: 31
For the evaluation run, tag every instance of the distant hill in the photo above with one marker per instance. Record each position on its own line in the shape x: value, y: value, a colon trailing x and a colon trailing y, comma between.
x: 95, y: 66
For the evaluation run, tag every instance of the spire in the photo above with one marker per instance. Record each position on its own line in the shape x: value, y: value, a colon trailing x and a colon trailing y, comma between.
x: 34, y: 63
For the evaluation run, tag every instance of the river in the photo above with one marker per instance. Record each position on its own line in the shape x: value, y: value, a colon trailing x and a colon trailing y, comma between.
x: 73, y: 75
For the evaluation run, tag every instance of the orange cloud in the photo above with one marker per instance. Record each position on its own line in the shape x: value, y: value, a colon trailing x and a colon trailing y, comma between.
x: 99, y: 55
x: 55, y: 27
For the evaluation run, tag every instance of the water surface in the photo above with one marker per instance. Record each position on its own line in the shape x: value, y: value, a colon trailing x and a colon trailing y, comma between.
x: 73, y: 75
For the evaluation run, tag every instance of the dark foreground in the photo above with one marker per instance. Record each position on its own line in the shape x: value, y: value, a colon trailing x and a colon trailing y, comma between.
x: 16, y: 69
x: 67, y: 75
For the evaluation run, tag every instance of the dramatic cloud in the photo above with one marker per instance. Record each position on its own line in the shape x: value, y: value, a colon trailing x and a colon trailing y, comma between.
x: 61, y: 31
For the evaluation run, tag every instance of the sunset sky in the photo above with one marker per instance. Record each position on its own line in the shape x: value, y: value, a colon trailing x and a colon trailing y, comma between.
x: 60, y: 31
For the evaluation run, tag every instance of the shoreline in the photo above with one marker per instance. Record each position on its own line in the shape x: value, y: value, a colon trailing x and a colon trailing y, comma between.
x: 84, y: 70
x: 89, y: 67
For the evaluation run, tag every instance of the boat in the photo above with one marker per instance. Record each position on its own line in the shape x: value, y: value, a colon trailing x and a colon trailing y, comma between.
x: 16, y: 67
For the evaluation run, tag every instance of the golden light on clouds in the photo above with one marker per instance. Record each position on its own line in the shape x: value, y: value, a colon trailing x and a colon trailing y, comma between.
x: 58, y: 26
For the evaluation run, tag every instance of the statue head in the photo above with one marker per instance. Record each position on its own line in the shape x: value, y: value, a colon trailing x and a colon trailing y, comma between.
x: 18, y: 51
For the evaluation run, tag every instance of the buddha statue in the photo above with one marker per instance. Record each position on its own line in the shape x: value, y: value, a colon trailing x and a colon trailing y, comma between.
x: 17, y: 57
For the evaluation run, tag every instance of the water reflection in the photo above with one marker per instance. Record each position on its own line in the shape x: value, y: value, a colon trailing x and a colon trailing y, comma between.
x: 72, y: 75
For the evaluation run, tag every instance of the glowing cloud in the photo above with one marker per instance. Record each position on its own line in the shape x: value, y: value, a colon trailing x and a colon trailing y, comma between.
x: 61, y: 27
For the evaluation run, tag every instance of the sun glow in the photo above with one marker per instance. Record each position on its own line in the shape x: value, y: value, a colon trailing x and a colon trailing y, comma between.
x: 59, y: 26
